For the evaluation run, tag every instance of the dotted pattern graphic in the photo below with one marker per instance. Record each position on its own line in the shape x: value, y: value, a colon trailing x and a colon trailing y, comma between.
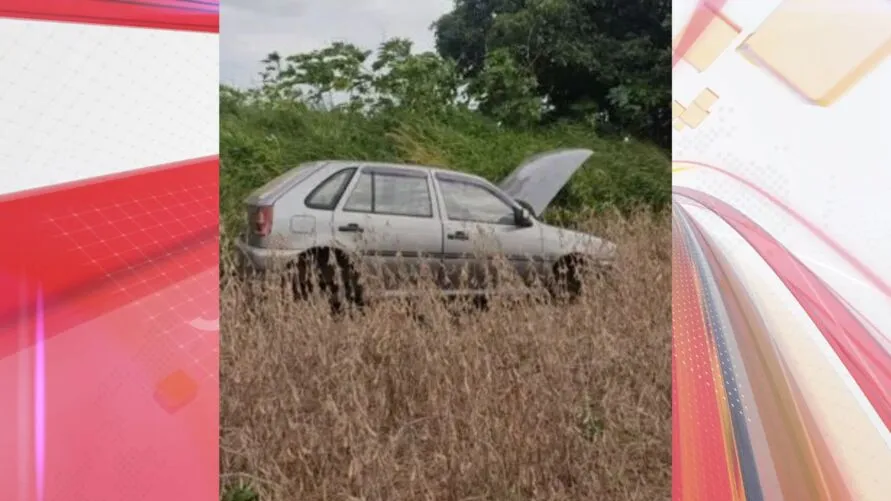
x: 130, y: 98
x: 141, y: 244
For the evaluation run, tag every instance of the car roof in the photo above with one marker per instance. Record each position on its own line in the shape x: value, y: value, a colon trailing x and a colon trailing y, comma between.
x: 336, y: 164
x: 275, y: 188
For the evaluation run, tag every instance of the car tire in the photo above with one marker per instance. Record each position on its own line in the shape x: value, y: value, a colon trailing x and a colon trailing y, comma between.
x: 569, y: 274
x: 332, y: 275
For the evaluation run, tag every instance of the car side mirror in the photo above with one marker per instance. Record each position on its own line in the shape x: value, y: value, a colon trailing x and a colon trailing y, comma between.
x: 523, y: 217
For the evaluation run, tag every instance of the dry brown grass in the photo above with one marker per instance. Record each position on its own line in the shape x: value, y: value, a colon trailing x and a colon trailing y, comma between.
x: 520, y: 402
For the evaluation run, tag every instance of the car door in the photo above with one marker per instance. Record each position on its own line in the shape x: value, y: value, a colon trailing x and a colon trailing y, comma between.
x: 389, y: 217
x: 482, y: 234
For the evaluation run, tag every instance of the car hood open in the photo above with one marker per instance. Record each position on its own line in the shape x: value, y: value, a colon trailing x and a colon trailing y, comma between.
x: 538, y: 179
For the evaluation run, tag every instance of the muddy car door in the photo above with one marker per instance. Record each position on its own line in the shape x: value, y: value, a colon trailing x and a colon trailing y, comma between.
x: 389, y: 218
x: 484, y: 235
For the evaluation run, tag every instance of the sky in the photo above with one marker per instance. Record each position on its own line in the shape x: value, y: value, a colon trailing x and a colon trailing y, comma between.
x: 251, y: 29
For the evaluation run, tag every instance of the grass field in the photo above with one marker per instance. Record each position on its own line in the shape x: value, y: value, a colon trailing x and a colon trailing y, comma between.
x: 523, y: 401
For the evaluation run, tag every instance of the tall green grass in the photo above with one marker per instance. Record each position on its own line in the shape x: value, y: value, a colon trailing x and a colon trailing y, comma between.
x: 258, y: 142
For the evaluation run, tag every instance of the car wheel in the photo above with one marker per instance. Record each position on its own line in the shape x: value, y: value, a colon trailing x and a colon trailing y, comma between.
x: 331, y: 274
x: 569, y: 278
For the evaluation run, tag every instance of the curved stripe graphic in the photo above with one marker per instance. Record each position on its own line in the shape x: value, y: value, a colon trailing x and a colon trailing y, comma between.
x: 744, y: 427
x: 872, y: 277
x: 863, y: 356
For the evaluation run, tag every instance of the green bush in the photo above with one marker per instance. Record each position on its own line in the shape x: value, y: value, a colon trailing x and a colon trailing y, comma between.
x: 259, y: 141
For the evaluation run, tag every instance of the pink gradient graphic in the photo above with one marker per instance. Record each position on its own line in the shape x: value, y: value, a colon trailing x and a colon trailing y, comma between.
x: 706, y: 11
x: 39, y: 399
x: 109, y: 205
x: 860, y: 352
x: 94, y: 359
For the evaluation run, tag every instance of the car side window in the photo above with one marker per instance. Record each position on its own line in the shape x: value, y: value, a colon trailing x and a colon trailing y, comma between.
x: 326, y: 195
x: 471, y: 202
x: 362, y: 197
x: 382, y: 193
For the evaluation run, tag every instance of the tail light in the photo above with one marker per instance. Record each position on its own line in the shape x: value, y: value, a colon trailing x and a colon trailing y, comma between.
x: 261, y: 222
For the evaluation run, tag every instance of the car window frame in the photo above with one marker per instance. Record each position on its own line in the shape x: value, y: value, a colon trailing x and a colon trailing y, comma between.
x: 340, y: 191
x: 391, y: 172
x: 444, y: 178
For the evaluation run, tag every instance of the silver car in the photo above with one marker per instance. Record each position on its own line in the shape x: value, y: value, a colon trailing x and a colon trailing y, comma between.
x: 394, y: 220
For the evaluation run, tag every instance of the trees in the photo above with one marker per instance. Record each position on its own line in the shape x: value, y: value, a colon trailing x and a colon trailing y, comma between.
x: 522, y: 63
x: 606, y: 62
x: 345, y: 76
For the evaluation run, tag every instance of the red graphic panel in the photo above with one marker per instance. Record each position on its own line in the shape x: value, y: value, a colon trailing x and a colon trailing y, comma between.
x: 189, y: 15
x: 111, y: 373
x: 109, y: 299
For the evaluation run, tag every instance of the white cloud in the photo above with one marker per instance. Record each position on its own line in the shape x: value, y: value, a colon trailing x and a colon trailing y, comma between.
x: 251, y: 29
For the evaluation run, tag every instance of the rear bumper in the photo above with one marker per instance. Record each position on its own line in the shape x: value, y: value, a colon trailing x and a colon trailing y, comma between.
x: 262, y: 259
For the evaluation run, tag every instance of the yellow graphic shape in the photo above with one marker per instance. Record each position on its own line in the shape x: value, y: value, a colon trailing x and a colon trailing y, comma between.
x: 706, y: 99
x: 715, y: 39
x: 676, y: 109
x: 693, y: 115
x: 821, y: 48
x: 677, y: 167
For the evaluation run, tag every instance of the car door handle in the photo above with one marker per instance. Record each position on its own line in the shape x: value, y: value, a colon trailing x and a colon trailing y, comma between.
x: 351, y: 228
x: 458, y: 235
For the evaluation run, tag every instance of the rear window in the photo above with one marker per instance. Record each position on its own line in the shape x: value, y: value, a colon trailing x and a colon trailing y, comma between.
x: 326, y: 195
x: 293, y: 176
